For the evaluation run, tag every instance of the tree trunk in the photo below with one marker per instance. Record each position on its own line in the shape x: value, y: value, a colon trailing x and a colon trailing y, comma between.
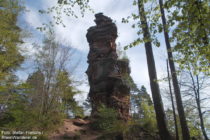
x: 199, y: 110
x: 183, y: 122
x: 201, y: 120
x: 159, y: 110
x: 172, y: 102
x: 196, y: 89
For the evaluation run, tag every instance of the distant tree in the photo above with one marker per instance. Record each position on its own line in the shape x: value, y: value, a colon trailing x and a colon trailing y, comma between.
x: 137, y: 100
x: 141, y: 106
x: 192, y: 117
x: 143, y: 110
x: 52, y: 61
x: 67, y: 91
x: 195, y: 101
x: 138, y: 96
x: 48, y: 94
x: 35, y: 90
x: 196, y: 86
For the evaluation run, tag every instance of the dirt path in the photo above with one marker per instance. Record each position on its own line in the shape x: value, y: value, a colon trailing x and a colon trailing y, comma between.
x: 75, y: 129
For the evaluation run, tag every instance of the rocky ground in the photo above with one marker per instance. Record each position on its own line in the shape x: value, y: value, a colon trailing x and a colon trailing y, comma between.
x: 79, y: 129
x: 74, y: 129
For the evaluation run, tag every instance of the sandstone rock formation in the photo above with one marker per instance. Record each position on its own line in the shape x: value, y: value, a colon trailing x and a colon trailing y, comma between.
x: 107, y: 74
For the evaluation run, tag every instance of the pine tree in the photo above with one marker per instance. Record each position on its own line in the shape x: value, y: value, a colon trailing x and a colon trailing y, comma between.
x: 10, y: 39
x: 10, y: 56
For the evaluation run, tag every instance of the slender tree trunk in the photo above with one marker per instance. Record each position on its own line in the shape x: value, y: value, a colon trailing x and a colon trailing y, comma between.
x: 172, y: 102
x: 201, y: 120
x: 158, y: 105
x: 183, y: 122
x: 199, y: 110
x: 196, y: 90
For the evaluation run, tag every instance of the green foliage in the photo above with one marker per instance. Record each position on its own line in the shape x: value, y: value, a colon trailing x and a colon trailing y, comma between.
x: 67, y: 8
x: 191, y: 34
x: 152, y: 14
x: 108, y: 122
x: 192, y: 121
x: 171, y: 125
x: 137, y: 131
x: 113, y: 128
x: 10, y: 57
x: 143, y: 113
x: 67, y: 94
x: 10, y: 60
x: 23, y: 113
x: 46, y: 98
x: 139, y: 98
x: 188, y: 24
x: 149, y: 119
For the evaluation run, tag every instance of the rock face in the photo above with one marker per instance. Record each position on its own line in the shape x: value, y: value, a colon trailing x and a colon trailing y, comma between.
x: 106, y: 74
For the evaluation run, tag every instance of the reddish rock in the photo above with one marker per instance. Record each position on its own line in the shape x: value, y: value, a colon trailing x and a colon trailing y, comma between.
x: 80, y: 122
x: 107, y: 74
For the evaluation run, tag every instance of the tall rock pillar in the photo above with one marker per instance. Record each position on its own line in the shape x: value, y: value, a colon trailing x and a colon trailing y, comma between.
x: 106, y: 74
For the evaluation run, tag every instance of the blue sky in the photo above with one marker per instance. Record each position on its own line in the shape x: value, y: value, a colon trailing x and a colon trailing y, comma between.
x: 74, y: 35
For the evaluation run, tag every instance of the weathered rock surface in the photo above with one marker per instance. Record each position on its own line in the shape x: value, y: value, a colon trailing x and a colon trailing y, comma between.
x: 106, y: 74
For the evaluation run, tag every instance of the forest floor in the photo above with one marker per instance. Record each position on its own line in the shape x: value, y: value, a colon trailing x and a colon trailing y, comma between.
x: 75, y: 129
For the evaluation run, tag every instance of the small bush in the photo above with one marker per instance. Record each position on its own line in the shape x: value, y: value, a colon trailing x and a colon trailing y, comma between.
x: 108, y: 121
